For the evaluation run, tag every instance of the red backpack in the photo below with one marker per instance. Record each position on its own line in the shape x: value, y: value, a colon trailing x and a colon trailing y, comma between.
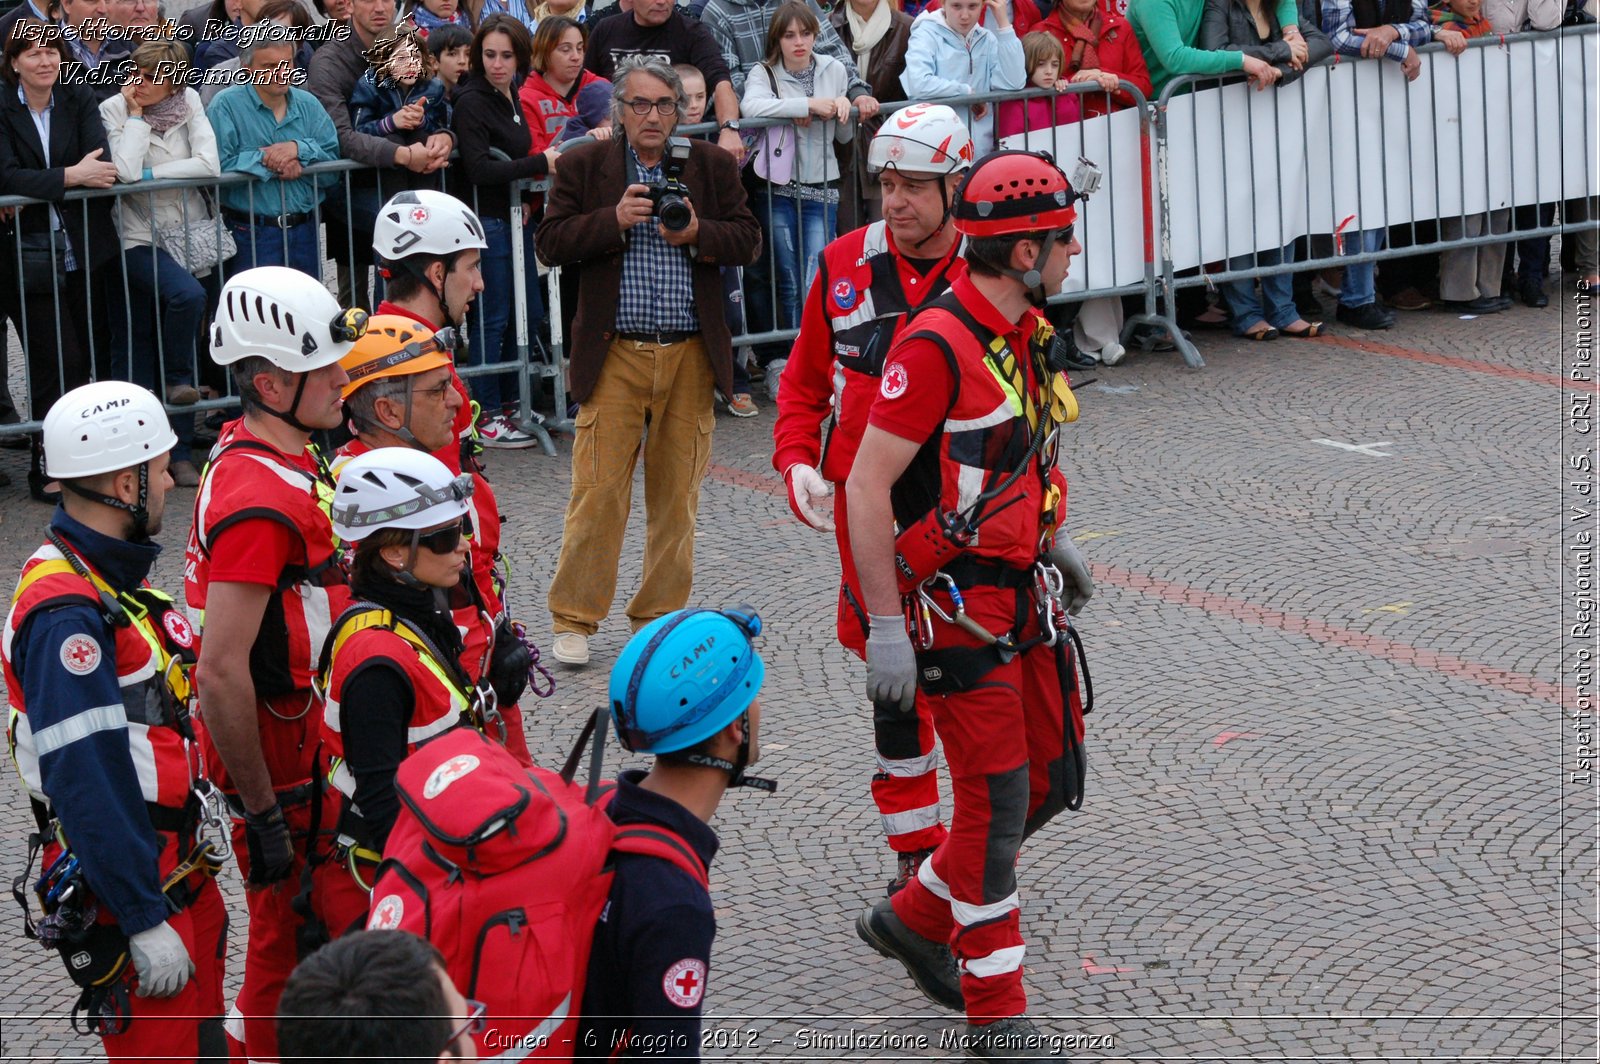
x: 506, y: 869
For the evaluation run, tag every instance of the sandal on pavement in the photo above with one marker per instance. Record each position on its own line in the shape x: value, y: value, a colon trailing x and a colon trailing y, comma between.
x: 1313, y: 329
x: 1265, y: 333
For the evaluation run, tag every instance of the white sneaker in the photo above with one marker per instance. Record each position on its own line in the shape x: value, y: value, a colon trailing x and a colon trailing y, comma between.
x: 1112, y: 353
x: 503, y: 432
x: 571, y: 648
x: 774, y: 374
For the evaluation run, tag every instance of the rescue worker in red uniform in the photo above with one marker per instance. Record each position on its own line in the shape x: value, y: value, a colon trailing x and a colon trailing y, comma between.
x: 960, y: 452
x: 867, y: 282
x: 429, y: 246
x: 401, y: 395
x: 392, y: 672
x: 263, y: 580
x: 97, y: 669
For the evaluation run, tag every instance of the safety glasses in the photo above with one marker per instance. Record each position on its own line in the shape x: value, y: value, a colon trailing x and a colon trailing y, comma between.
x: 444, y: 540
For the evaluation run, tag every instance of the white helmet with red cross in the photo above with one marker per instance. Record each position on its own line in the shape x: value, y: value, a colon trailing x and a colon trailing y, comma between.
x: 925, y: 138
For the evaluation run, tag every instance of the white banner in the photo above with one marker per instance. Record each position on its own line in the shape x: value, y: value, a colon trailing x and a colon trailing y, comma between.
x: 1349, y: 146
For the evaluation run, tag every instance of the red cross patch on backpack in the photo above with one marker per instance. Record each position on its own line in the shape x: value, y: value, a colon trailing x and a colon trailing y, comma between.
x: 506, y: 869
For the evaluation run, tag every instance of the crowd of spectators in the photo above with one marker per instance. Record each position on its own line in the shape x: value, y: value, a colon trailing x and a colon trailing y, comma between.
x: 474, y: 95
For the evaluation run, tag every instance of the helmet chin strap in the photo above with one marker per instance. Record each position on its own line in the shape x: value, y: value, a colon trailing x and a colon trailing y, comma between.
x: 140, y: 509
x: 1033, y: 280
x: 734, y: 769
x: 288, y: 417
x: 944, y: 217
x: 406, y: 576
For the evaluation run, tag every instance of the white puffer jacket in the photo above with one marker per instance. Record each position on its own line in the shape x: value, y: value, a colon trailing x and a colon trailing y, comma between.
x: 188, y: 149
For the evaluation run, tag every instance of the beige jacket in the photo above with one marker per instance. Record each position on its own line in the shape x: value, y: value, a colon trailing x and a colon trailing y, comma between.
x: 188, y: 149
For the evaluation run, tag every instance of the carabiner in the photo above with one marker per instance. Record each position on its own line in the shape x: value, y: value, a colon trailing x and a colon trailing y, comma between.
x: 959, y: 618
x: 486, y: 710
x: 215, y: 829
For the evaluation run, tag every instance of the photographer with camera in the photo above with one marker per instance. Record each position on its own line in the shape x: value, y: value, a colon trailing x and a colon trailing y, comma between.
x: 653, y: 218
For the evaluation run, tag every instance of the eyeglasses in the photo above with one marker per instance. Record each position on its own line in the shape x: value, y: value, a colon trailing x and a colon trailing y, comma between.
x: 662, y: 107
x: 438, y: 391
x: 1065, y: 235
x: 443, y: 540
x: 474, y: 1025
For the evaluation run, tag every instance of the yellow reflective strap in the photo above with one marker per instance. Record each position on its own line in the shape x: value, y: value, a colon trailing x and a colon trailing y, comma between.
x: 382, y: 618
x: 52, y: 567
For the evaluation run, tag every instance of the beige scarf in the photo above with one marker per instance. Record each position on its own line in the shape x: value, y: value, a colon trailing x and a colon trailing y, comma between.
x: 864, y: 36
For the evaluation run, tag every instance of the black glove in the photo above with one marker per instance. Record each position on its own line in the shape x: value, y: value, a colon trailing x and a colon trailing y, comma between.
x: 508, y: 666
x: 271, y: 846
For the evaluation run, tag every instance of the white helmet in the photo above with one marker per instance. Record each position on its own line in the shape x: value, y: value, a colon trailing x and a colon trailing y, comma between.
x: 284, y: 316
x: 396, y: 487
x: 103, y: 427
x: 425, y: 222
x: 925, y: 138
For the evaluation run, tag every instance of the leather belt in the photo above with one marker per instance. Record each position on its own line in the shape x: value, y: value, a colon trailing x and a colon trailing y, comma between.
x: 661, y: 338
x: 265, y: 221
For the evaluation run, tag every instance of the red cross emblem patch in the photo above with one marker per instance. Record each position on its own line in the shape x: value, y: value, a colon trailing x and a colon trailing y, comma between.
x: 894, y: 381
x: 448, y: 773
x: 80, y: 655
x: 685, y: 982
x: 386, y: 915
x: 419, y: 215
x: 177, y: 626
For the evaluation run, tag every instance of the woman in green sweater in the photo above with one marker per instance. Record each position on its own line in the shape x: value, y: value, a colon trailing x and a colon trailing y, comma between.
x: 1168, y: 29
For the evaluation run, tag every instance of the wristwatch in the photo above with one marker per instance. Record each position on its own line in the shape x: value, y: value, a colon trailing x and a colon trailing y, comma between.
x: 732, y: 123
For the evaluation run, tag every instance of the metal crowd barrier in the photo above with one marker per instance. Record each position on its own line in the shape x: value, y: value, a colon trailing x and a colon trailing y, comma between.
x: 1131, y: 224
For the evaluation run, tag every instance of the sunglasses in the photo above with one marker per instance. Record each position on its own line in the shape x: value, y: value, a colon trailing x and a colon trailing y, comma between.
x: 475, y: 1024
x: 443, y: 540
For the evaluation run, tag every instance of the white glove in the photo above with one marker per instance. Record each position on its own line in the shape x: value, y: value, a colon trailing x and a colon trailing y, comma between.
x: 806, y: 490
x: 891, y: 663
x: 162, y: 961
x: 1078, y: 589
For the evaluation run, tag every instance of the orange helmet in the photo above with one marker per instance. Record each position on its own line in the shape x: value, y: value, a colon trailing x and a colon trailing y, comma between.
x: 394, y: 346
x: 1014, y: 192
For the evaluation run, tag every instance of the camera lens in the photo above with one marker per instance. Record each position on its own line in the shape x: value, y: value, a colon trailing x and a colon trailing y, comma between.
x: 674, y: 213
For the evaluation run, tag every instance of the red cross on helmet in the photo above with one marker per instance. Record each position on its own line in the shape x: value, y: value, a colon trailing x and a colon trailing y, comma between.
x: 1014, y: 192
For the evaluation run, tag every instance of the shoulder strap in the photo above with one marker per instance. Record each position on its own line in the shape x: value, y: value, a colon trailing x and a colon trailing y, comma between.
x: 668, y: 845
x: 360, y: 616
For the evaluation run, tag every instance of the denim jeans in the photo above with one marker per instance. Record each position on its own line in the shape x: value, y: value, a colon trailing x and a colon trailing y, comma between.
x: 169, y: 302
x: 1276, y: 304
x: 492, y: 328
x: 1359, y: 288
x: 797, y: 232
x: 268, y: 245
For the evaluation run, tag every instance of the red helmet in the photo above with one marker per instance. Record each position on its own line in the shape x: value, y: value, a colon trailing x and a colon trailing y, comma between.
x: 1014, y: 192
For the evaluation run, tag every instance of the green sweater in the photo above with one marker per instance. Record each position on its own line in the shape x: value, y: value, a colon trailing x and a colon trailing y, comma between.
x: 1167, y: 30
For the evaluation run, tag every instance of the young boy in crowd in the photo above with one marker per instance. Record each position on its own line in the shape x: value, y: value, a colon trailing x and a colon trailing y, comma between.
x: 398, y: 97
x: 449, y: 45
x: 739, y: 403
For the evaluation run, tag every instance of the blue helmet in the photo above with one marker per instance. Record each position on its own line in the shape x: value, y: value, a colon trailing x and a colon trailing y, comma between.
x: 684, y: 677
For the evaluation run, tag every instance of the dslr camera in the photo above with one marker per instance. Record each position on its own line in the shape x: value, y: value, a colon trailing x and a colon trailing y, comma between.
x: 670, y: 196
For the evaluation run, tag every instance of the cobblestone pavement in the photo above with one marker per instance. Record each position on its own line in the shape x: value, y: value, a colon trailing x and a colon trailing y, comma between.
x: 1328, y: 813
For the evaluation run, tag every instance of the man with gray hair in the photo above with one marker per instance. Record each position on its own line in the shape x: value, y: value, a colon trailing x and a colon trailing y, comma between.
x: 269, y: 128
x: 653, y: 218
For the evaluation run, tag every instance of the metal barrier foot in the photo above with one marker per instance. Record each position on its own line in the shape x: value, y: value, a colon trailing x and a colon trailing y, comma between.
x: 534, y: 424
x: 1146, y: 331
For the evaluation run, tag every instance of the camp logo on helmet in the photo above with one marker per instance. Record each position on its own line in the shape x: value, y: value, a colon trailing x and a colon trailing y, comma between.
x: 689, y: 659
x: 115, y: 404
x: 448, y: 773
x: 894, y: 381
x: 387, y: 914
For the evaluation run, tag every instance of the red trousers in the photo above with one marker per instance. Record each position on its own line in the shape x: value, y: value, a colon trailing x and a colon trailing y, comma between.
x: 274, y: 947
x: 906, y: 783
x: 188, y: 1025
x: 1012, y: 768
